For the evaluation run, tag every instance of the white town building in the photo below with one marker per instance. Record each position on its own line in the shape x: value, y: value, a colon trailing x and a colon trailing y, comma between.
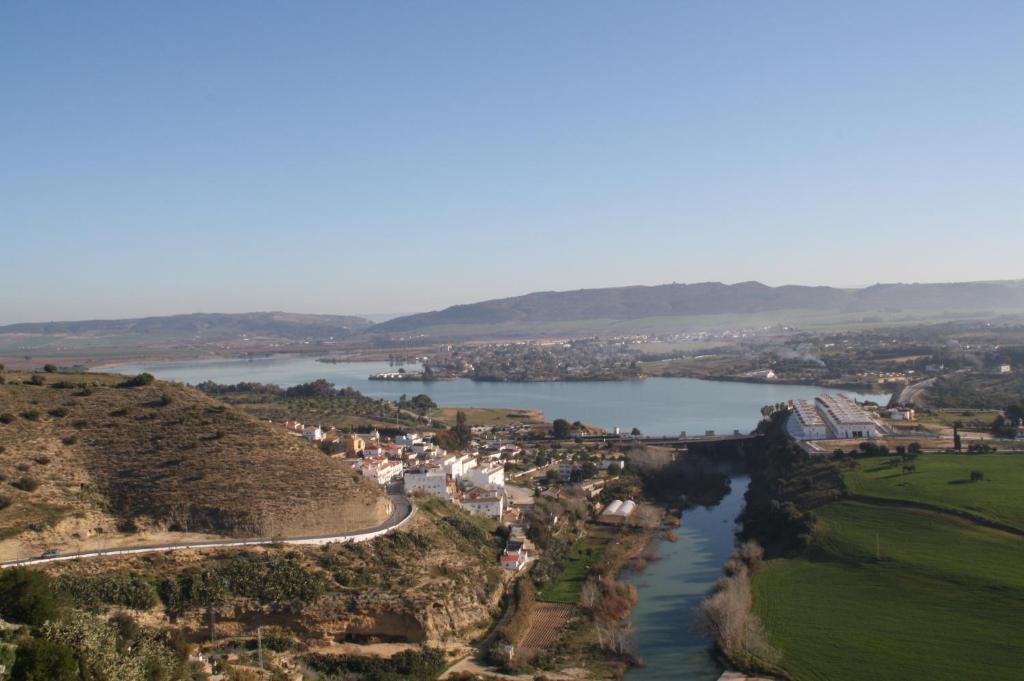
x: 491, y: 475
x: 486, y: 502
x: 380, y: 469
x: 428, y: 479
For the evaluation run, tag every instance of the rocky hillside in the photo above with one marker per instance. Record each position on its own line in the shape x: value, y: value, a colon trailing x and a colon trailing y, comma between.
x: 88, y: 453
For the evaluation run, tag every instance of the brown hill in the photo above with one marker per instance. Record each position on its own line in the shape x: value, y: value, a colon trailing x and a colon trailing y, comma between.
x: 82, y: 451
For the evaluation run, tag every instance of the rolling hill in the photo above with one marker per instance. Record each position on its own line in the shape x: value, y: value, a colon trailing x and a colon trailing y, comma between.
x: 207, y: 326
x: 611, y: 305
x: 83, y: 454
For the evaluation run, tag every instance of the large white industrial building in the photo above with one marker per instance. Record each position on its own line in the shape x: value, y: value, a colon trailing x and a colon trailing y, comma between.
x: 805, y: 424
x: 831, y: 417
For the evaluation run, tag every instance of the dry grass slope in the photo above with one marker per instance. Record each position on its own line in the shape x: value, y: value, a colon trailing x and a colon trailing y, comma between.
x: 164, y: 455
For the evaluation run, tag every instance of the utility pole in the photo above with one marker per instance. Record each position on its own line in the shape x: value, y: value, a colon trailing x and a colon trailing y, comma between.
x: 259, y: 644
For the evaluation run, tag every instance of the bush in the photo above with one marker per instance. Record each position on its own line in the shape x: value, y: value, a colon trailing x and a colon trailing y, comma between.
x: 26, y: 484
x: 50, y: 368
x: 42, y: 459
x: 59, y: 412
x: 120, y: 589
x: 139, y: 380
x: 7, y: 417
x: 26, y: 597
x: 69, y: 440
x: 409, y: 664
x: 38, y: 658
x: 37, y: 379
x: 31, y: 414
x: 4, y: 502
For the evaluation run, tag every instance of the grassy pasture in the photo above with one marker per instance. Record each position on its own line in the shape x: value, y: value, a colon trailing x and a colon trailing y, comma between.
x: 944, y: 480
x: 485, y: 416
x: 942, y: 600
x: 586, y: 553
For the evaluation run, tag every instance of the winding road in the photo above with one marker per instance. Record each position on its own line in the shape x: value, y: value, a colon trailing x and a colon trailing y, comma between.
x: 402, y: 510
x: 910, y: 393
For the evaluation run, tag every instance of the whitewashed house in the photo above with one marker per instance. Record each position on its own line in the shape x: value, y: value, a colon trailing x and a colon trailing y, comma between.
x: 491, y: 475
x: 429, y: 480
x: 486, y: 502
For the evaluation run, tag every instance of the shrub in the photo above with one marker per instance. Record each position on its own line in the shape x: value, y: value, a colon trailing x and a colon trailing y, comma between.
x: 7, y: 417
x: 39, y: 658
x: 139, y: 380
x: 26, y: 484
x: 59, y: 412
x: 31, y: 414
x: 120, y: 589
x: 79, y: 423
x: 50, y: 368
x: 69, y: 440
x: 26, y: 597
x: 42, y: 459
x: 37, y: 379
x: 4, y: 502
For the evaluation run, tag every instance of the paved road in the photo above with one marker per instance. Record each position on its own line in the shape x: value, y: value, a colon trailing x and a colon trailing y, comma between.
x: 908, y: 394
x: 402, y: 510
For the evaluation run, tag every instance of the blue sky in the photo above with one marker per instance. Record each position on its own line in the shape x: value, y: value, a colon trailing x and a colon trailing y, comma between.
x: 399, y: 156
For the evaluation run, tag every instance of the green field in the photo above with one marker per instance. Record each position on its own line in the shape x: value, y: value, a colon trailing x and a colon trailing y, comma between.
x: 944, y: 480
x: 941, y: 599
x: 582, y: 557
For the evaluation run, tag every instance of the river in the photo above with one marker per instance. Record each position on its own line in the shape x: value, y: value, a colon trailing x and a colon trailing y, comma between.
x: 671, y: 588
x: 657, y: 406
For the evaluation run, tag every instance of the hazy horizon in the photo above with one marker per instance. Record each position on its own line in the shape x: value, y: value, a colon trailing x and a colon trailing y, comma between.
x: 336, y: 158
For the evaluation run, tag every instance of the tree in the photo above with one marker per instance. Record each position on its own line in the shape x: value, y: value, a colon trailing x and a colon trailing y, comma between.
x: 560, y: 428
x: 41, y: 660
x: 614, y: 468
x: 421, y: 404
x: 457, y: 437
x: 957, y: 444
x: 27, y: 597
x: 50, y: 368
x: 553, y: 475
x: 635, y: 432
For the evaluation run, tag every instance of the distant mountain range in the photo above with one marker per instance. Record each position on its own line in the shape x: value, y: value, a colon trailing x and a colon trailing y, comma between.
x: 583, y: 312
x: 207, y: 326
x: 684, y: 300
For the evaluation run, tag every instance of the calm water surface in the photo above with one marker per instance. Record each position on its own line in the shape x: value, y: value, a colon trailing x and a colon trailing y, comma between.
x: 657, y: 406
x: 670, y: 589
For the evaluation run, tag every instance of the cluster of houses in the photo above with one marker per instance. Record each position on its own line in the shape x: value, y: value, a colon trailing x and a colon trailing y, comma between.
x: 475, y: 479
